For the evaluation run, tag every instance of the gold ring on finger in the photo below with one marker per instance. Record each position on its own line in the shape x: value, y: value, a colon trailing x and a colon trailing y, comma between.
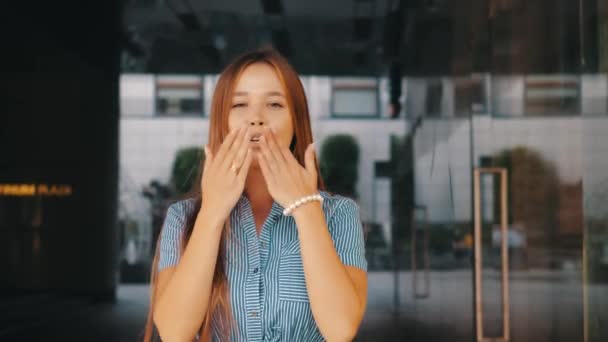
x: 234, y: 168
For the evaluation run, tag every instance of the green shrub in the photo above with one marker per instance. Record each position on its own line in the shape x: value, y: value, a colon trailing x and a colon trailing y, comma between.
x: 339, y: 163
x: 185, y: 168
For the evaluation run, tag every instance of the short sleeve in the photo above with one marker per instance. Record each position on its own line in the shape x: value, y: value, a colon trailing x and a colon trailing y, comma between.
x: 170, y: 236
x: 347, y: 233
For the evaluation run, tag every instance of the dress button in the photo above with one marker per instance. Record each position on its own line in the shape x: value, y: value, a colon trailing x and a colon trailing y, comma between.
x: 254, y: 314
x: 255, y: 270
x: 263, y: 244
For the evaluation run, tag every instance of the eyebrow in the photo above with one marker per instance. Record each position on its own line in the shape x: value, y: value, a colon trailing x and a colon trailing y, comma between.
x: 270, y: 93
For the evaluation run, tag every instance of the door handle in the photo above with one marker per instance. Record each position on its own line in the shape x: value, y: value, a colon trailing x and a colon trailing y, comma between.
x: 426, y: 254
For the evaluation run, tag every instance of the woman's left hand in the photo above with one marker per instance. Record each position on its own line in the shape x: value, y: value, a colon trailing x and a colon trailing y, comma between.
x: 286, y: 179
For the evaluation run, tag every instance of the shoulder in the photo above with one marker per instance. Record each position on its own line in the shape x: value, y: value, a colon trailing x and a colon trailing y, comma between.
x: 336, y: 206
x: 346, y: 229
x: 172, y: 230
x: 180, y: 209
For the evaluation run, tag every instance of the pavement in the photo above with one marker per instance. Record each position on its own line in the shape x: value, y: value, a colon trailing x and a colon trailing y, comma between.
x: 541, y: 310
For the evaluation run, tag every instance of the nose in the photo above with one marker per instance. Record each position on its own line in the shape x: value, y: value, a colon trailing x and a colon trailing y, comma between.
x: 255, y: 116
x: 256, y: 122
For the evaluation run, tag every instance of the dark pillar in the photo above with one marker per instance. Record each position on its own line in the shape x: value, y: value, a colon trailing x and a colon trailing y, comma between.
x: 59, y: 122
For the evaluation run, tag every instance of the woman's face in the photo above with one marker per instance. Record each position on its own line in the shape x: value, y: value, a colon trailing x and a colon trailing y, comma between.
x: 259, y: 101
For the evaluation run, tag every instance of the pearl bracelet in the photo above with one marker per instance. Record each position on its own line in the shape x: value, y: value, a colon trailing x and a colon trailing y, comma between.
x: 305, y: 199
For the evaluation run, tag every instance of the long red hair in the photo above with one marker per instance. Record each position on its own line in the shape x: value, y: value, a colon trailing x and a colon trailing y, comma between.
x: 219, y: 306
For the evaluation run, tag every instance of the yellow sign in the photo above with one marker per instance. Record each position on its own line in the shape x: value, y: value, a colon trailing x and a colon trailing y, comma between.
x: 58, y: 190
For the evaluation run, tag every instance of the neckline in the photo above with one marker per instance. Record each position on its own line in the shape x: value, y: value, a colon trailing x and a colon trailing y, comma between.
x: 275, y: 210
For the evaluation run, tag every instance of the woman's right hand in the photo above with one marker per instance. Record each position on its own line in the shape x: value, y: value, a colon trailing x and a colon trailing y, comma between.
x: 221, y: 187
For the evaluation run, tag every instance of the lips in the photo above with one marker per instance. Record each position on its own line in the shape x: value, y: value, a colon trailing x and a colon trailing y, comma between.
x: 255, y: 138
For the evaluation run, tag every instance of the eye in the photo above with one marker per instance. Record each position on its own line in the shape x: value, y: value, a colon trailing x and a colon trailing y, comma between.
x: 239, y: 105
x: 276, y: 105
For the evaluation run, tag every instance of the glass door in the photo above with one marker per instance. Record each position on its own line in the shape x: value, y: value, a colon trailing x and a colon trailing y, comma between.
x: 437, y: 283
x: 527, y: 154
x: 499, y: 224
x: 528, y: 211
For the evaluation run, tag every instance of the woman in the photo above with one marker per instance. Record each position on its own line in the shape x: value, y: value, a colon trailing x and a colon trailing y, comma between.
x: 257, y: 251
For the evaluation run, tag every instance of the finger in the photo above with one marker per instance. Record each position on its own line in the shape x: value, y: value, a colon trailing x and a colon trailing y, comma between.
x: 244, y: 170
x: 208, y: 156
x: 281, y: 162
x: 274, y: 147
x: 291, y: 158
x: 208, y: 161
x: 266, y: 171
x: 242, y: 151
x: 266, y: 154
x: 236, y: 153
x: 309, y: 160
x: 227, y: 143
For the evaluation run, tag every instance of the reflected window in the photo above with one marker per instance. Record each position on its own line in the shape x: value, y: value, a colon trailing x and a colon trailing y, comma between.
x: 549, y: 95
x: 136, y: 95
x: 434, y: 96
x: 469, y: 97
x: 353, y: 97
x: 179, y: 95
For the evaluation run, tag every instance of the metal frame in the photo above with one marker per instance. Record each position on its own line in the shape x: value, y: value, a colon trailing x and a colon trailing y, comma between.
x: 502, y: 172
x: 427, y: 261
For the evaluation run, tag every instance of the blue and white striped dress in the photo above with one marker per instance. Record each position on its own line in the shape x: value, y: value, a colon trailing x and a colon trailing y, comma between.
x: 265, y: 273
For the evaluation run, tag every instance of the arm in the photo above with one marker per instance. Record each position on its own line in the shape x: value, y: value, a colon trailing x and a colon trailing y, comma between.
x: 338, y: 308
x: 184, y: 289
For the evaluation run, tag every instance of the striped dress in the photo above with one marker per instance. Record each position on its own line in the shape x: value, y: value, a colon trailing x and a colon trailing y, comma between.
x: 265, y: 273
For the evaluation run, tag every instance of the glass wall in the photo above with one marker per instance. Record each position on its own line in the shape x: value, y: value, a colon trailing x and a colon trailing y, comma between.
x: 500, y: 228
x: 483, y: 200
